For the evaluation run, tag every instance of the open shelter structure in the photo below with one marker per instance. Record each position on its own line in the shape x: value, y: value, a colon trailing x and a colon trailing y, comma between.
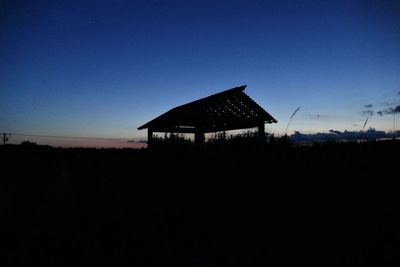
x: 228, y: 110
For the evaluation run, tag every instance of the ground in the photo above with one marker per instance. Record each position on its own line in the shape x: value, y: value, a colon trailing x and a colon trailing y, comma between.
x: 223, y: 205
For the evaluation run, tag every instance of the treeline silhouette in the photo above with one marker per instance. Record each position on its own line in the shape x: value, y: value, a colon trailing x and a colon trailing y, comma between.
x: 232, y: 202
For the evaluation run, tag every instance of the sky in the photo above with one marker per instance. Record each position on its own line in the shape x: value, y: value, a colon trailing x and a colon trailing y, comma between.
x: 103, y: 68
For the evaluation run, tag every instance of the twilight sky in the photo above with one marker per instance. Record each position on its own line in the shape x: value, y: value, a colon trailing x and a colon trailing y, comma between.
x: 103, y: 68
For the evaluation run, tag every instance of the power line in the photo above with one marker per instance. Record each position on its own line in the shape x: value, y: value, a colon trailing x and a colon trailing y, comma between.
x: 74, y: 137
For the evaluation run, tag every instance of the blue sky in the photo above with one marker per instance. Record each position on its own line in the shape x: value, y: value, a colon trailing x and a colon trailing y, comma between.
x: 103, y: 68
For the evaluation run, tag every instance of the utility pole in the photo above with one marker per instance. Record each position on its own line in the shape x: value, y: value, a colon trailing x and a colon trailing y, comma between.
x: 5, y: 138
x: 394, y: 124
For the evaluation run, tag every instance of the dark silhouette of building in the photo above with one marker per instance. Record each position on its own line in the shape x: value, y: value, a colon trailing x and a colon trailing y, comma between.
x: 229, y: 110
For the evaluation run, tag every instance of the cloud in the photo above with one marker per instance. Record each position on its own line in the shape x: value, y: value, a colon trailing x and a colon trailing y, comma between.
x: 335, y: 132
x: 370, y: 134
x: 315, y: 116
x: 368, y: 113
x: 398, y: 93
x: 387, y: 103
x: 389, y: 111
x: 368, y: 106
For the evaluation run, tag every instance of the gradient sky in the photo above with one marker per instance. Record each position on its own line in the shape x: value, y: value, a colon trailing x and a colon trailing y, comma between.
x: 103, y: 68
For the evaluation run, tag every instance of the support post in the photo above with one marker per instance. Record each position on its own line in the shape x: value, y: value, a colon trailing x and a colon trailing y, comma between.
x: 199, y: 138
x: 149, y: 137
x: 261, y: 132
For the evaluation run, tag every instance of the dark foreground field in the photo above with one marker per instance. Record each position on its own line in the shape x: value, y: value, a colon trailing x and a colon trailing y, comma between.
x: 278, y: 205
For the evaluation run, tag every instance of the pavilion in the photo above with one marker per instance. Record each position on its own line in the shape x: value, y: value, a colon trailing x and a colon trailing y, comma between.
x: 228, y: 110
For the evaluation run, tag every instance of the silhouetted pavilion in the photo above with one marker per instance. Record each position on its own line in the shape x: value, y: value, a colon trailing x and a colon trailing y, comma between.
x: 229, y: 110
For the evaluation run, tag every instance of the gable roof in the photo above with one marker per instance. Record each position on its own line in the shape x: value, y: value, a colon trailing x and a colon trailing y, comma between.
x: 228, y: 110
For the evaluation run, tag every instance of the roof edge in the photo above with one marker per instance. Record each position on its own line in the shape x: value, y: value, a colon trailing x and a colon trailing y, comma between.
x: 237, y: 89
